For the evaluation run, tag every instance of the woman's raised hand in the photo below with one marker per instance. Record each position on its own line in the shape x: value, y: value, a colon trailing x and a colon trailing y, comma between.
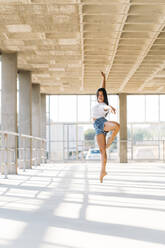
x: 102, y: 85
x: 113, y: 110
x: 103, y: 74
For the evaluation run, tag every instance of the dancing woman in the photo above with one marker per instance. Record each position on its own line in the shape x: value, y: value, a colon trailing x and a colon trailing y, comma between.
x: 102, y: 125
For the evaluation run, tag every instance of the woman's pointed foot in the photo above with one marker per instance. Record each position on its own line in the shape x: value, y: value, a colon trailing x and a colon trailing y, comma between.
x: 102, y: 174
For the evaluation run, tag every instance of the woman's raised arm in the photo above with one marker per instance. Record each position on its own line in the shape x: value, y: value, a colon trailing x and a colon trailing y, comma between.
x: 103, y: 82
x: 109, y: 107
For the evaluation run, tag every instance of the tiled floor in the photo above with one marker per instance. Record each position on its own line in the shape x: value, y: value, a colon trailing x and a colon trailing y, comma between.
x: 65, y: 206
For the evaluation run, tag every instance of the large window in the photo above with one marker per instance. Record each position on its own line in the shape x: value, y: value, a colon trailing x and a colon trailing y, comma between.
x: 71, y: 134
x: 83, y: 108
x: 162, y: 106
x: 146, y: 127
x: 70, y: 131
x: 145, y: 108
x: 135, y: 108
x: 63, y: 108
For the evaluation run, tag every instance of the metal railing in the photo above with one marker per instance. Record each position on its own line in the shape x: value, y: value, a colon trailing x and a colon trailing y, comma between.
x: 20, y: 150
x: 144, y: 150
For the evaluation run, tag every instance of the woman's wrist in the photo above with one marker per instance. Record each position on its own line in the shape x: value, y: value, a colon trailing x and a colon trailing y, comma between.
x: 108, y: 107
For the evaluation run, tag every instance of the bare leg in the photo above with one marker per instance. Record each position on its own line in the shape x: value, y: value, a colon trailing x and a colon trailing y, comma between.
x: 114, y: 127
x: 102, y: 146
x: 112, y: 137
x: 103, y: 165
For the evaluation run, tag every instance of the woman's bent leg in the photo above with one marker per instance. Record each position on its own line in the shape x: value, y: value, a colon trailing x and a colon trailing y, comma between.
x: 114, y: 127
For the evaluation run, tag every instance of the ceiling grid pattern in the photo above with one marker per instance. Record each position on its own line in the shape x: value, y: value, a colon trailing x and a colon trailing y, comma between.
x: 67, y: 43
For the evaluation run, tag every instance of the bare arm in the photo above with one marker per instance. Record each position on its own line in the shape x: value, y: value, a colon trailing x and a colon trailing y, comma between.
x: 110, y: 107
x: 102, y: 85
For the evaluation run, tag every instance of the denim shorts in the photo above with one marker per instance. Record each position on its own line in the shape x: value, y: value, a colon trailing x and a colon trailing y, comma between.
x: 99, y: 125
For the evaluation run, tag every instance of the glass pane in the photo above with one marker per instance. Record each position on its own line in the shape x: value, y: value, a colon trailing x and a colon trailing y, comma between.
x: 47, y: 118
x: 147, y: 150
x: 70, y: 144
x: 56, y: 151
x: 135, y: 108
x: 145, y: 141
x: 162, y: 131
x: 86, y: 136
x: 145, y: 132
x: 47, y: 103
x: 84, y: 104
x: 152, y: 108
x: 56, y: 131
x: 47, y: 136
x: 63, y: 108
x: 93, y: 98
x: 56, y: 142
x: 54, y: 108
x: 114, y: 102
x: 162, y: 106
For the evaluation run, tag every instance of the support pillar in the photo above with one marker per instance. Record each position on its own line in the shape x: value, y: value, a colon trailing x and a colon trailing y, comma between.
x: 43, y: 116
x: 9, y: 107
x: 36, y: 119
x: 25, y: 115
x: 43, y: 122
x: 123, y: 127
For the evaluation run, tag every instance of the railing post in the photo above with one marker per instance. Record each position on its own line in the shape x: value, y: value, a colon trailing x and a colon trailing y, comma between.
x: 8, y: 153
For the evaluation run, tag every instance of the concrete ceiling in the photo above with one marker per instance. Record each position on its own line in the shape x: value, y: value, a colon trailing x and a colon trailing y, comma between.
x: 66, y: 43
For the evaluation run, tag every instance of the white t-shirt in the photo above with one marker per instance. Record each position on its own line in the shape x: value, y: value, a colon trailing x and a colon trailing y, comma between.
x: 98, y: 110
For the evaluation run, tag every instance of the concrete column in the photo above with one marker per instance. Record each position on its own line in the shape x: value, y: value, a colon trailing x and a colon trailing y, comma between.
x: 36, y: 110
x: 9, y: 106
x: 43, y: 116
x: 25, y: 114
x: 36, y: 118
x: 43, y: 121
x: 123, y: 127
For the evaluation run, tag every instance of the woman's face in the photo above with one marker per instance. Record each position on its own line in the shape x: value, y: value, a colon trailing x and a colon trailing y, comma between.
x: 100, y: 96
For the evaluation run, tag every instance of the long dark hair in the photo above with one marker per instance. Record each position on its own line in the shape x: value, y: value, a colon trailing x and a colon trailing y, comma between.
x: 104, y: 94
